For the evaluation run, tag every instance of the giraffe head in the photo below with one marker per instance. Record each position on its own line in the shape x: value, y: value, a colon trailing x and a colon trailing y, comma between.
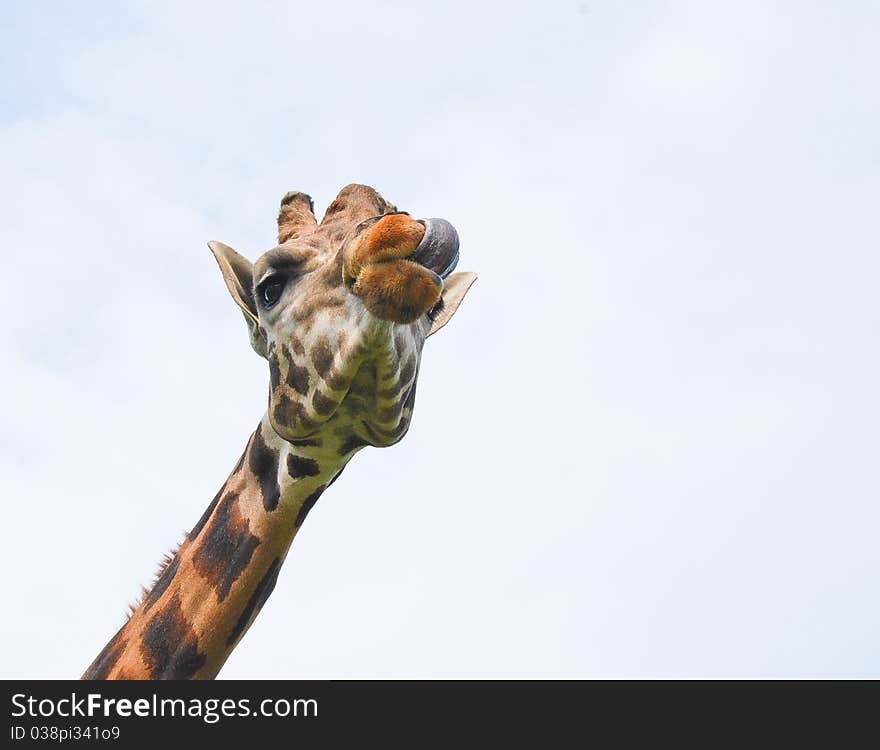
x: 341, y: 310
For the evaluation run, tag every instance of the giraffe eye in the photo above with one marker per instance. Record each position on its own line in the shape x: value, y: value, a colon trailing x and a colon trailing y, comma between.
x: 270, y: 290
x: 435, y: 311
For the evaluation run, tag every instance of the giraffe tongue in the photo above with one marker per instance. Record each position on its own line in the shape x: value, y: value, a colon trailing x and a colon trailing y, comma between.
x: 438, y: 249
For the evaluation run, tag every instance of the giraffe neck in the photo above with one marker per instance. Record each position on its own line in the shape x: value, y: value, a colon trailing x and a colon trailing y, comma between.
x: 210, y: 591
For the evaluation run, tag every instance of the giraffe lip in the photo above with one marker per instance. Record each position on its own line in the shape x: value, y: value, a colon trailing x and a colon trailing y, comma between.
x: 438, y: 250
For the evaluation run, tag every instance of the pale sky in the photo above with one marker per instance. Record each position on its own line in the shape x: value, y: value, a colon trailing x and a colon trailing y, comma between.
x: 647, y: 445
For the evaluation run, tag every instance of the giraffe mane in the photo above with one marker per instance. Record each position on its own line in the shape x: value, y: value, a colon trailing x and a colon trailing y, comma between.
x: 166, y: 560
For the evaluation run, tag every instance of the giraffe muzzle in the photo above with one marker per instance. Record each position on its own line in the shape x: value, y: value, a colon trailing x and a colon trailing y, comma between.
x: 438, y: 249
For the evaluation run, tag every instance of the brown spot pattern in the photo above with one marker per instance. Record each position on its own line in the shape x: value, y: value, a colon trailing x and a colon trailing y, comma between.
x: 226, y: 547
x: 170, y: 646
x: 350, y: 444
x: 291, y: 414
x: 322, y: 404
x: 299, y: 466
x: 256, y: 601
x: 297, y: 377
x: 263, y: 462
x: 322, y: 356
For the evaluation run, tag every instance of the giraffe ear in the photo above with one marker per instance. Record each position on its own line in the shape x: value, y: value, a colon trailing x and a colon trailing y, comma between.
x: 455, y: 286
x: 239, y: 277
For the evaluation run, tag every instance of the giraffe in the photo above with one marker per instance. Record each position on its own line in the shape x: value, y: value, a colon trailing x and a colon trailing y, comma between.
x: 340, y: 310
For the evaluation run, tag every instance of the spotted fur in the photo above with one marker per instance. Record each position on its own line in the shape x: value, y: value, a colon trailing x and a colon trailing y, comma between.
x: 263, y: 462
x: 256, y: 601
x: 227, y: 547
x: 343, y: 343
x: 169, y: 645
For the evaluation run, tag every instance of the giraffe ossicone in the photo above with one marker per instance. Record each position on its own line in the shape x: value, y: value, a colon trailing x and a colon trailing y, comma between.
x: 341, y: 310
